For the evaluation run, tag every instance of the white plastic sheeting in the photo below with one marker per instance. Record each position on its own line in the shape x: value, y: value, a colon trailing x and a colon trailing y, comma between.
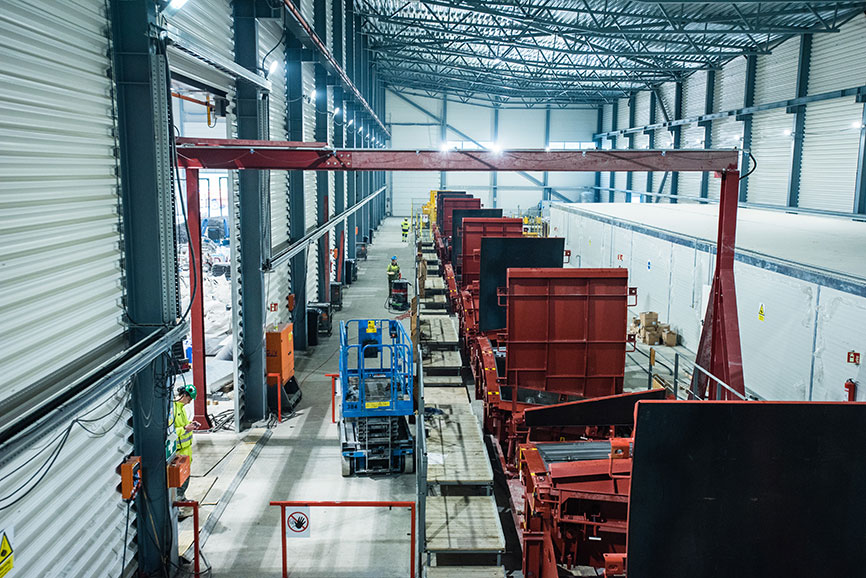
x: 797, y: 349
x: 60, y: 238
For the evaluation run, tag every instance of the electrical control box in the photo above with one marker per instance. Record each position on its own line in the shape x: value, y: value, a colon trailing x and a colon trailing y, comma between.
x: 280, y: 356
x: 130, y: 477
x: 178, y: 471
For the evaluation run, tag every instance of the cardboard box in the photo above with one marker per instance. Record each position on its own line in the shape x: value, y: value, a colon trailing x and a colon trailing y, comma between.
x: 670, y: 338
x: 651, y: 337
x: 664, y: 327
x: 649, y: 318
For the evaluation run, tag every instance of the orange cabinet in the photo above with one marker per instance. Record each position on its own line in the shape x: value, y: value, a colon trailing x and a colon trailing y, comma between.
x: 280, y: 357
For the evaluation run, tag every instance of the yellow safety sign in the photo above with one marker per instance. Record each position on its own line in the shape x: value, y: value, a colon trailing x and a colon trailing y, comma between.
x: 371, y: 326
x: 375, y: 404
x: 7, y: 560
x: 761, y: 312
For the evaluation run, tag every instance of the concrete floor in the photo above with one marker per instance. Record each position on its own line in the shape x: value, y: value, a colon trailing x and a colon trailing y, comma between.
x: 302, y: 461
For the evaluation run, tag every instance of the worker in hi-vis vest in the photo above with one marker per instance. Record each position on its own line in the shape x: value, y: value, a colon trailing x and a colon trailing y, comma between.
x: 405, y: 228
x: 183, y: 427
x: 393, y: 272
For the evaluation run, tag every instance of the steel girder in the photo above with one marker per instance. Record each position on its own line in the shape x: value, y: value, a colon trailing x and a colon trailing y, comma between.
x: 573, y: 51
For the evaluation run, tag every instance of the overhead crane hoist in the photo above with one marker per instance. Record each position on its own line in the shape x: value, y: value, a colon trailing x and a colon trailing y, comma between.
x: 590, y: 526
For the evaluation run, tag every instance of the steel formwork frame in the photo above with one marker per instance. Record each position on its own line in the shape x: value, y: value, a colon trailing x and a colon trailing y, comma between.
x: 719, y: 349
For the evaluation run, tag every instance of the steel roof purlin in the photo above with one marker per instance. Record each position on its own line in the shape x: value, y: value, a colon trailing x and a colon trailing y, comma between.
x: 573, y: 52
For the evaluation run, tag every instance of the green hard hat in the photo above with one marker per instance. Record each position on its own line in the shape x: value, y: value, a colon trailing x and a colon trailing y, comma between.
x: 188, y: 389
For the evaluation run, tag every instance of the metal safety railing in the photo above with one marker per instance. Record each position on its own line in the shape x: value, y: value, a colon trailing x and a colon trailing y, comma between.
x: 681, y: 375
x: 283, y: 504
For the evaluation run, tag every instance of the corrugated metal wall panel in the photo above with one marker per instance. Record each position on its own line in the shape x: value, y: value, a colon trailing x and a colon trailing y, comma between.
x: 727, y: 133
x: 621, y: 178
x: 308, y: 80
x: 60, y: 236
x: 607, y: 118
x: 331, y: 176
x: 772, y: 149
x: 776, y: 73
x: 642, y: 110
x: 730, y: 86
x: 622, y: 112
x: 838, y: 60
x: 329, y: 25
x: 639, y: 180
x: 72, y: 522
x: 277, y: 282
x: 308, y: 11
x: 209, y: 24
x: 692, y: 137
x: 695, y: 94
x: 668, y: 92
x: 831, y: 146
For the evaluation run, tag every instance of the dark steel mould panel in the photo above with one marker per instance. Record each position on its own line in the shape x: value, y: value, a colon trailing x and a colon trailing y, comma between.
x: 473, y: 231
x: 748, y: 489
x: 497, y: 256
x: 457, y: 231
x: 567, y: 330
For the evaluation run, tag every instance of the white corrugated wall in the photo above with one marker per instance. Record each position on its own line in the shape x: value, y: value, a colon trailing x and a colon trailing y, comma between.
x: 308, y: 79
x: 639, y: 180
x: 60, y: 237
x: 838, y: 60
x: 772, y: 150
x: 831, y: 147
x: 277, y: 282
x: 695, y: 94
x: 642, y: 108
x: 607, y: 118
x: 73, y: 521
x: 729, y: 87
x: 691, y: 137
x: 776, y: 73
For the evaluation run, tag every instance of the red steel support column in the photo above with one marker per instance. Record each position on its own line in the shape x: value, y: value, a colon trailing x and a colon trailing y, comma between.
x: 719, y: 350
x: 196, y: 312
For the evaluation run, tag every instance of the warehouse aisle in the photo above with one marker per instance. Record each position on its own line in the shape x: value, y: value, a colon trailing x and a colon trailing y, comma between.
x: 302, y: 461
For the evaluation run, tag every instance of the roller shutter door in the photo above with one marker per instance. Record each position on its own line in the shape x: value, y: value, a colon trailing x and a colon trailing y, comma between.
x: 208, y: 25
x: 776, y: 73
x: 308, y: 79
x: 277, y: 282
x: 61, y: 287
x: 768, y: 185
x: 831, y: 147
x: 692, y: 137
x: 838, y: 60
x: 60, y: 242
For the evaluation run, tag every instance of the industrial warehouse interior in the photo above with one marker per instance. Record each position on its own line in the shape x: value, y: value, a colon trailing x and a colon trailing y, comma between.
x: 432, y: 288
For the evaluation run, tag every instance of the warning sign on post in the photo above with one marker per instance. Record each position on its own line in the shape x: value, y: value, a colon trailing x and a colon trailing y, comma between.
x: 7, y: 554
x: 298, y: 522
x: 761, y: 312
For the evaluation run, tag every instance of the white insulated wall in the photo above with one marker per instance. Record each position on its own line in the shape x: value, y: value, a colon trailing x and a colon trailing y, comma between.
x: 798, y: 352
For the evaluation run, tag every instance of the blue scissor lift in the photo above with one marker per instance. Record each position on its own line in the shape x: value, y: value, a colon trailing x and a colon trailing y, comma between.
x: 376, y: 382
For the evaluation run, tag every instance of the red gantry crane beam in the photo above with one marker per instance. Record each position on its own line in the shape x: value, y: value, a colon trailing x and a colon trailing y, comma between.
x: 719, y: 352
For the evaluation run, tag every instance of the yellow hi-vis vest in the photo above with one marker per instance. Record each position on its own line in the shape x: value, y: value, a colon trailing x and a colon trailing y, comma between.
x: 405, y: 226
x: 184, y: 438
x: 393, y: 271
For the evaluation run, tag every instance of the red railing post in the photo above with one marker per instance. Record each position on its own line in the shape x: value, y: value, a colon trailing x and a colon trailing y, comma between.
x: 283, y: 504
x: 333, y: 377
x: 196, y: 548
x: 196, y: 283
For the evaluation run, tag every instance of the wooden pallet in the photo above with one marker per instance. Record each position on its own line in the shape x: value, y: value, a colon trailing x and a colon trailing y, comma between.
x: 456, y: 455
x: 463, y: 524
x: 442, y: 363
x: 439, y: 332
x: 465, y: 572
x: 436, y: 302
